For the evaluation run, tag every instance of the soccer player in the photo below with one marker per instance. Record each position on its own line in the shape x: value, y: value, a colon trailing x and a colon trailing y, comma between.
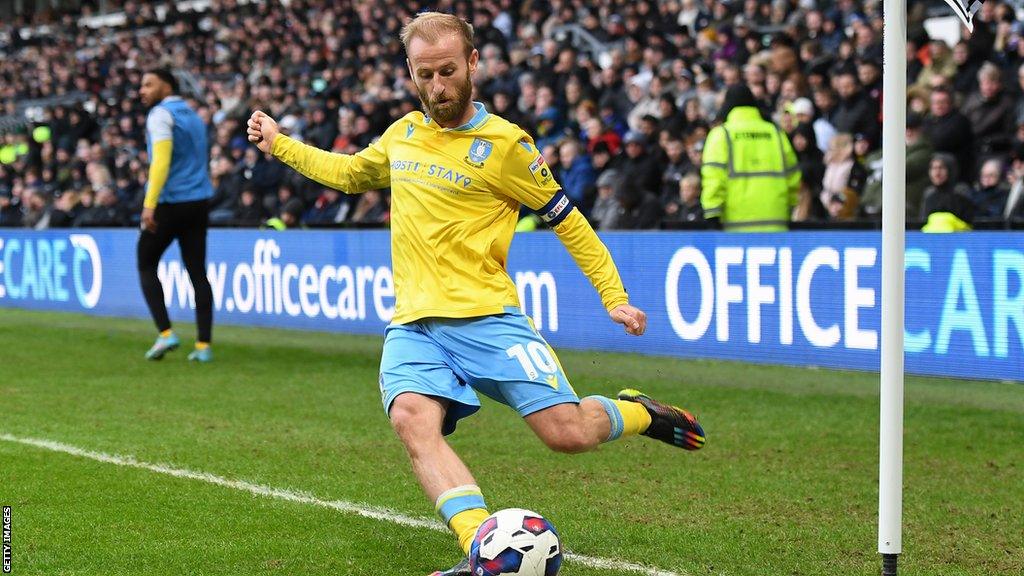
x: 176, y: 207
x: 458, y: 175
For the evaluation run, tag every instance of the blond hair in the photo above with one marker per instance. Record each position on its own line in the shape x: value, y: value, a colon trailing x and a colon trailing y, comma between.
x: 691, y: 179
x: 433, y: 26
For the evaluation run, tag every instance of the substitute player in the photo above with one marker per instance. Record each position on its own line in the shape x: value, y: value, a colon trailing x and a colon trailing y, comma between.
x: 458, y: 175
x: 176, y: 207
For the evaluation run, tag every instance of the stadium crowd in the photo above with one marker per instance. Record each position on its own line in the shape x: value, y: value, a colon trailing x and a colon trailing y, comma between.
x: 618, y: 95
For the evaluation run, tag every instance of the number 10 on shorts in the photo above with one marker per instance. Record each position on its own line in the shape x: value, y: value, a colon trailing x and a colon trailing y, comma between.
x: 533, y: 357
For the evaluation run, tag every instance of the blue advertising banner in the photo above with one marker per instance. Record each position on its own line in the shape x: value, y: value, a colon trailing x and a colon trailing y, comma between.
x: 803, y: 298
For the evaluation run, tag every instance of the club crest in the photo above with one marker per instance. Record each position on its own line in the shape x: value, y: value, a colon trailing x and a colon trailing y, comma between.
x: 479, y: 150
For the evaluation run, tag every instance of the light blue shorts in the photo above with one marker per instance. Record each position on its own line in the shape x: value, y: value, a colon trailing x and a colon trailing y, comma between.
x: 500, y: 356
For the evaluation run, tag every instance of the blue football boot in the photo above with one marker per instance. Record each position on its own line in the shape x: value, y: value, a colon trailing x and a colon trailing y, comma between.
x: 201, y: 355
x: 163, y: 345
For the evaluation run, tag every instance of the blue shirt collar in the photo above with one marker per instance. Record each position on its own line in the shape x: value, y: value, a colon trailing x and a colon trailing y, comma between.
x: 475, y: 122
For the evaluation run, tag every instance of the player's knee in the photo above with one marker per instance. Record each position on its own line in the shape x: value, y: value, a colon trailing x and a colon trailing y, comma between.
x: 411, y: 419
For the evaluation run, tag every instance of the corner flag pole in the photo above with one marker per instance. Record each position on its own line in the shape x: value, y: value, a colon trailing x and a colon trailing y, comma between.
x: 894, y: 170
x: 894, y: 174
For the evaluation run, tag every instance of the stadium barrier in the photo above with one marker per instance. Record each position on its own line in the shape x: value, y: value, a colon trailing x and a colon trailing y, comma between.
x: 800, y: 298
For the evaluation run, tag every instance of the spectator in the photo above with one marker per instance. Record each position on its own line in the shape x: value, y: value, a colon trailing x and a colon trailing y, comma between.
x: 226, y: 188
x: 991, y: 112
x: 991, y: 192
x: 869, y: 74
x: 965, y: 80
x: 1019, y: 94
x: 862, y: 145
x: 36, y: 212
x: 320, y: 132
x: 1014, y: 211
x: 370, y: 209
x: 803, y: 111
x: 595, y: 132
x: 809, y: 157
x: 249, y: 211
x: 106, y: 211
x: 289, y: 217
x: 948, y: 130
x: 576, y: 174
x: 605, y: 213
x: 328, y: 209
x: 677, y: 165
x: 636, y: 164
x: 274, y: 203
x: 856, y: 112
x: 843, y: 180
x: 685, y: 207
x: 10, y: 208
x: 919, y: 155
x: 639, y: 208
x: 940, y: 65
x: 946, y: 206
x: 65, y: 210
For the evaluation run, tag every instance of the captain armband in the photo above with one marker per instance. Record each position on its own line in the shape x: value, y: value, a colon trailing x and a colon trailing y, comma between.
x: 556, y: 210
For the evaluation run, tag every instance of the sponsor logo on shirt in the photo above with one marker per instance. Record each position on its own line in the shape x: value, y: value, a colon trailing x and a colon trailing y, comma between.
x: 540, y: 170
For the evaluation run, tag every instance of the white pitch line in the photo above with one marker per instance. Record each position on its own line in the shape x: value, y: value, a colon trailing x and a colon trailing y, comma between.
x: 364, y: 510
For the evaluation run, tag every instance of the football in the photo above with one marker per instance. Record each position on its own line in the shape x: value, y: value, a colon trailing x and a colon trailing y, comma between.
x: 515, y: 542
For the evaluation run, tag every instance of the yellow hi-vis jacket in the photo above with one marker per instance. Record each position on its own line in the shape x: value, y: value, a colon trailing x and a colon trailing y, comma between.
x: 945, y: 222
x: 749, y: 174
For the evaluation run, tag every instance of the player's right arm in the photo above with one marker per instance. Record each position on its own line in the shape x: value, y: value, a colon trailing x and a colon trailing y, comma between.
x: 160, y: 133
x: 365, y: 170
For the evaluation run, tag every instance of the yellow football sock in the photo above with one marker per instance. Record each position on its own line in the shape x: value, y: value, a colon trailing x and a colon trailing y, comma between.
x: 635, y: 418
x: 166, y: 333
x: 465, y: 525
x: 202, y: 345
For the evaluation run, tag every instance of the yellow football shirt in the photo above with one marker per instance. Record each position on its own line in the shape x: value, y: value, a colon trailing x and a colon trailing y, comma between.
x: 455, y: 197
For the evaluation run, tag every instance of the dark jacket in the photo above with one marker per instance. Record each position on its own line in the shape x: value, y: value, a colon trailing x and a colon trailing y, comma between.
x: 952, y: 134
x: 919, y: 155
x: 102, y: 216
x: 857, y: 114
x: 991, y: 120
x: 990, y: 202
x: 953, y: 196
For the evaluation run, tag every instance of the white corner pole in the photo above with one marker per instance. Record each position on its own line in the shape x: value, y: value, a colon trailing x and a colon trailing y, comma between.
x: 894, y: 170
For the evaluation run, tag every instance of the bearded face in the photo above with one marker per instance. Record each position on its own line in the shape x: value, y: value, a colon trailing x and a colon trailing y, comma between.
x: 443, y: 73
x: 449, y: 105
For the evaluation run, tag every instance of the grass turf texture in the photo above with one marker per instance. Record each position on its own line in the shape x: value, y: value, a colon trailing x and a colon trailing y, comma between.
x: 786, y: 485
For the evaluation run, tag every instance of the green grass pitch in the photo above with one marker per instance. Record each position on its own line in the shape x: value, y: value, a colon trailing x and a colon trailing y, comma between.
x: 787, y: 484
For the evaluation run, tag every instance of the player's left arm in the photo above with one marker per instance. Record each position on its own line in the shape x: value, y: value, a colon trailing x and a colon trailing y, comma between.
x: 593, y: 258
x: 528, y: 179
